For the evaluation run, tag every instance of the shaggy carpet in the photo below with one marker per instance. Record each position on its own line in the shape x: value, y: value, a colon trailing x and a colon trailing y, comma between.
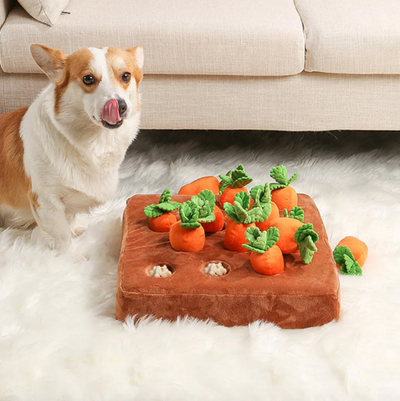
x: 59, y: 339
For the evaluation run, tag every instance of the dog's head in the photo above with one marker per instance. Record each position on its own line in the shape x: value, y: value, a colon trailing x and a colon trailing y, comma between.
x: 104, y: 82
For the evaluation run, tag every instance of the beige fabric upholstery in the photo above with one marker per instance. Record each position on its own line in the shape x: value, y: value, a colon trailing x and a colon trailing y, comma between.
x: 5, y: 7
x: 351, y: 36
x: 211, y: 37
x: 46, y: 11
x: 304, y: 102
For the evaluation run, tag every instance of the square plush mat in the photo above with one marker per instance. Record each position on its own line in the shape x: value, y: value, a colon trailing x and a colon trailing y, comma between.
x: 302, y: 296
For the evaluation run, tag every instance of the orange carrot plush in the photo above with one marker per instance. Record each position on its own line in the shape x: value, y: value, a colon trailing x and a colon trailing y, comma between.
x: 210, y: 215
x: 232, y: 183
x: 294, y: 235
x: 188, y: 234
x: 283, y: 195
x: 350, y: 255
x: 240, y: 218
x: 195, y: 187
x: 266, y: 257
x: 160, y: 215
x: 262, y: 196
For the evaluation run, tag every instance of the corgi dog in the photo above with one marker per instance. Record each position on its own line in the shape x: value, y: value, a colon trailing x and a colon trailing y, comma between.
x: 61, y: 155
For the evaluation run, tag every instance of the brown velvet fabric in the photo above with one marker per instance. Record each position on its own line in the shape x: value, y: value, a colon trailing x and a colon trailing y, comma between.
x: 302, y: 296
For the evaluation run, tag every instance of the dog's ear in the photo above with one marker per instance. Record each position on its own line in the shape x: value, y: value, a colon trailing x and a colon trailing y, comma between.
x: 138, y: 54
x: 51, y: 61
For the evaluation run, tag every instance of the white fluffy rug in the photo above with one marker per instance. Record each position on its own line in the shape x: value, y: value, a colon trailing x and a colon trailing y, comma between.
x: 59, y: 339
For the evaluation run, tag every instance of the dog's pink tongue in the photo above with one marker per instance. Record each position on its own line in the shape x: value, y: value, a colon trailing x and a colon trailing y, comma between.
x: 110, y: 112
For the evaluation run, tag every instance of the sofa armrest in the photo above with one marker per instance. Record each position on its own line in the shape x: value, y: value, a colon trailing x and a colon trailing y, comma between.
x: 5, y: 7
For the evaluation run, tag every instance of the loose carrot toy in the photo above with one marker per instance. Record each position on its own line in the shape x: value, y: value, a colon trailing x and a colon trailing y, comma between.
x: 188, y: 234
x: 350, y: 255
x: 266, y: 257
x: 195, y: 187
x: 240, y: 219
x: 294, y: 235
x: 283, y: 195
x: 262, y: 196
x: 210, y: 215
x: 232, y: 183
x: 160, y: 215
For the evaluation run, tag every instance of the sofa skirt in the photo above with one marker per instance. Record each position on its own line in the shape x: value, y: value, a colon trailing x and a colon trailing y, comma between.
x: 303, y: 102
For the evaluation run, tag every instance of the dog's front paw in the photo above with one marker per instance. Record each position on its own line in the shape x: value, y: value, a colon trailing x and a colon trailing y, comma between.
x: 76, y: 231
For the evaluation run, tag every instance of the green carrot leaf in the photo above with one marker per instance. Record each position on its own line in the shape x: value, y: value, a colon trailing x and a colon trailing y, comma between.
x: 306, y: 238
x: 252, y: 248
x: 266, y: 194
x: 240, y: 178
x: 260, y: 241
x: 279, y: 174
x: 226, y: 180
x: 285, y: 213
x: 152, y: 211
x: 241, y: 213
x: 345, y: 259
x: 168, y: 206
x: 164, y: 205
x: 293, y: 177
x: 262, y: 196
x: 189, y: 214
x: 257, y: 239
x: 272, y: 237
x: 297, y: 213
x: 205, y: 201
x: 207, y: 196
x: 252, y: 233
x: 165, y: 196
x: 230, y: 211
x: 351, y: 267
x: 253, y: 214
x: 243, y: 199
x: 274, y: 186
x: 266, y: 211
x: 256, y: 193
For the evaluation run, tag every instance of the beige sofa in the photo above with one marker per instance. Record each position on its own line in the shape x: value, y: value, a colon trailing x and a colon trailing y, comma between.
x: 291, y: 65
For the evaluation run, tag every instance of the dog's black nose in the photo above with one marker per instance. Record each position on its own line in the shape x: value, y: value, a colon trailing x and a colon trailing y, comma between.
x: 122, y: 107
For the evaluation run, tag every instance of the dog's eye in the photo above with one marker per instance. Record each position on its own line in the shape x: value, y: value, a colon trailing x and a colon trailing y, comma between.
x: 126, y: 76
x: 88, y: 80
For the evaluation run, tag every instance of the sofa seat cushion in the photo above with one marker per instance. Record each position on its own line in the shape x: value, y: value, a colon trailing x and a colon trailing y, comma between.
x: 351, y: 36
x: 224, y: 37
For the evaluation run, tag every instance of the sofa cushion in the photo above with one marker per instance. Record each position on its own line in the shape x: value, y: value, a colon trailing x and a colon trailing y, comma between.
x: 351, y: 36
x: 46, y: 11
x: 5, y: 6
x: 264, y: 37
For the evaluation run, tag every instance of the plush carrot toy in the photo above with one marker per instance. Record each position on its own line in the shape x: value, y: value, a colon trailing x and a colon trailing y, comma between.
x: 195, y: 187
x: 188, y: 234
x: 283, y: 195
x: 160, y: 215
x: 210, y: 215
x: 294, y: 235
x: 266, y: 257
x: 240, y: 218
x: 233, y: 182
x: 350, y: 255
x: 262, y: 196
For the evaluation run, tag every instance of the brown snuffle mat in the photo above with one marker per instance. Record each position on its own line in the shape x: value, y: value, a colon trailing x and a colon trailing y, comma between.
x: 302, y: 296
